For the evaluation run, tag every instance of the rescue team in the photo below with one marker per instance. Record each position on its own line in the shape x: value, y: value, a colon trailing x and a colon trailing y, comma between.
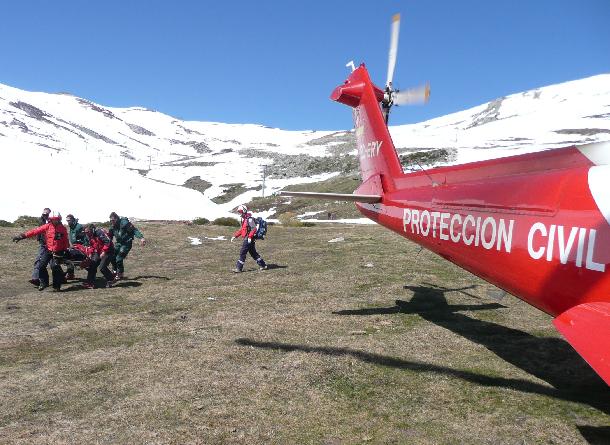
x: 543, y: 242
x: 93, y: 248
x: 88, y: 246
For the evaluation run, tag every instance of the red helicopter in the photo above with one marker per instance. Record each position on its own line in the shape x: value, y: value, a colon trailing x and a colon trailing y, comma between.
x: 535, y: 225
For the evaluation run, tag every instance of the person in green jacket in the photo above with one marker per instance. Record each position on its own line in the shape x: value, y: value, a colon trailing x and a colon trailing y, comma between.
x: 76, y: 234
x: 124, y: 232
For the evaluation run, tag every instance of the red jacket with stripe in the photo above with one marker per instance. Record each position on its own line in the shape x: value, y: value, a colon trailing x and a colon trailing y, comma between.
x: 248, y: 227
x: 56, y: 236
x: 99, y: 242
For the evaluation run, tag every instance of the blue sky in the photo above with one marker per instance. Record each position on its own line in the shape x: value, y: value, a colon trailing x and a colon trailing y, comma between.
x: 275, y: 63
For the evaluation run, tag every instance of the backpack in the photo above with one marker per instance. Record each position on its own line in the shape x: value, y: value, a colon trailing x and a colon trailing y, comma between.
x: 261, y: 230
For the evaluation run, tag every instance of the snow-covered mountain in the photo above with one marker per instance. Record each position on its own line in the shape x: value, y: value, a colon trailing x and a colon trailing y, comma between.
x: 79, y: 157
x: 576, y: 112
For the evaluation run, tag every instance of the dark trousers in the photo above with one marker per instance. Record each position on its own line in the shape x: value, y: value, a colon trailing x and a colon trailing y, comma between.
x: 120, y: 253
x: 248, y: 247
x: 42, y: 248
x: 58, y: 274
x: 102, y: 264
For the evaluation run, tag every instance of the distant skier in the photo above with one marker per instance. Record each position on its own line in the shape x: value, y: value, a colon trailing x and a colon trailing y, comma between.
x: 42, y: 247
x: 248, y: 231
x: 123, y: 232
x: 100, y: 251
x: 56, y: 245
x: 76, y: 235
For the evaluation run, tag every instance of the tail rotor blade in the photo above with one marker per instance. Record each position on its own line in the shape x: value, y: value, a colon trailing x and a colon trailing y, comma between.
x: 417, y: 95
x: 393, y: 47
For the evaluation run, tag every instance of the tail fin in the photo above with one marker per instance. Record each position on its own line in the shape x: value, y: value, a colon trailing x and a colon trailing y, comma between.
x: 375, y: 148
x: 587, y: 328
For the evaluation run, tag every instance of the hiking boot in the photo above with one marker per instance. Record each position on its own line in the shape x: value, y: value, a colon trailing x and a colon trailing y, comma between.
x: 35, y: 281
x: 69, y: 276
x: 88, y: 285
x: 42, y: 286
x: 263, y: 267
x: 110, y: 284
x: 236, y: 270
x: 56, y: 289
x: 118, y: 276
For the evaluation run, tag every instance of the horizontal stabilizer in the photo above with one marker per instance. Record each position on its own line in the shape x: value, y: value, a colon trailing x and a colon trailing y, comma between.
x: 335, y: 196
x: 587, y: 328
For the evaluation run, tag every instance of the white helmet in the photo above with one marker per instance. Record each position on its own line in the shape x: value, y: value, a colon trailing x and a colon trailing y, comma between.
x: 55, y: 216
x: 242, y: 209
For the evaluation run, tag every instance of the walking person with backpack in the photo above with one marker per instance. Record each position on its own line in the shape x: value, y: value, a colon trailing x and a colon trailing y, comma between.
x: 251, y: 229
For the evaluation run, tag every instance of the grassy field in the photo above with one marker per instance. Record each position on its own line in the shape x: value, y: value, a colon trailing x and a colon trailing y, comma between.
x: 363, y: 341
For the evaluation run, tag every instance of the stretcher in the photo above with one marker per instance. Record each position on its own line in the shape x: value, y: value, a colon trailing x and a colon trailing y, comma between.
x: 73, y: 257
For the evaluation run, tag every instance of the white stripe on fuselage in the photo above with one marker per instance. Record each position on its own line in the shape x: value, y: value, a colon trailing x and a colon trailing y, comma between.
x: 599, y: 185
x: 598, y: 152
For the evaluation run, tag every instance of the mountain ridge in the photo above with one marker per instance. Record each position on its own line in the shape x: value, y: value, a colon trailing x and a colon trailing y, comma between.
x: 81, y: 157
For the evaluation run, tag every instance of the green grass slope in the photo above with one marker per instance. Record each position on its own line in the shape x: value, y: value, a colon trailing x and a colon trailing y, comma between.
x: 362, y: 341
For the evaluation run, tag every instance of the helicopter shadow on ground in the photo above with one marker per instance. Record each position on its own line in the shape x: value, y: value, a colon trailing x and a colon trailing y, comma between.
x: 516, y: 384
x: 595, y: 434
x: 550, y: 359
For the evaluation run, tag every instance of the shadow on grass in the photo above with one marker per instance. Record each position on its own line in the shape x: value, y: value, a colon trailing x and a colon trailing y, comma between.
x: 425, y: 305
x: 598, y: 401
x: 77, y: 287
x: 147, y: 277
x: 100, y: 283
x: 595, y: 434
x: 548, y: 358
x: 127, y: 284
x: 269, y: 267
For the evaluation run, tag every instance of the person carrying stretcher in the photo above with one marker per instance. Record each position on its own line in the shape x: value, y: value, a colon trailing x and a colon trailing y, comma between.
x: 100, y: 252
x: 55, y: 236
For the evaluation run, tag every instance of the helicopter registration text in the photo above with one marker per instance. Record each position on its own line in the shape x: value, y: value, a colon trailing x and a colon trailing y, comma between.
x: 370, y: 149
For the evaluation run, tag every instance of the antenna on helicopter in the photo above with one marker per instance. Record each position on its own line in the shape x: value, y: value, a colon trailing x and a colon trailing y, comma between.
x: 392, y: 96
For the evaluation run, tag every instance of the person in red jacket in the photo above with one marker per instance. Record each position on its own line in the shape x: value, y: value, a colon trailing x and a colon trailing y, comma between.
x: 100, y: 251
x: 248, y: 231
x: 42, y: 247
x: 55, y: 236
